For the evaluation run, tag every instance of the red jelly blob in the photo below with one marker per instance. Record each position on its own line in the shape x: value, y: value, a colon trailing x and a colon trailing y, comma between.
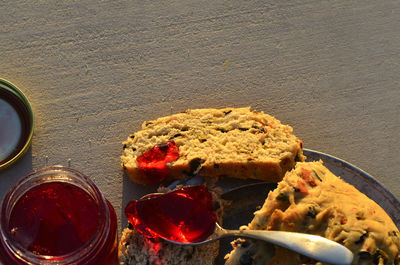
x: 54, y: 219
x: 183, y: 215
x: 153, y: 163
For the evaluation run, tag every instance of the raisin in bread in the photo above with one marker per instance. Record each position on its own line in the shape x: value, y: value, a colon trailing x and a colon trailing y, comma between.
x: 310, y: 199
x: 233, y: 142
x: 136, y: 249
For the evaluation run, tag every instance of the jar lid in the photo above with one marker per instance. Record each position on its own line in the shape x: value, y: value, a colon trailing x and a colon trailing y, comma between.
x: 16, y: 124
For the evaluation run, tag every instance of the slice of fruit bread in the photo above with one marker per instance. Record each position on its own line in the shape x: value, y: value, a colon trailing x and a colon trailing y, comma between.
x: 310, y: 199
x: 233, y: 142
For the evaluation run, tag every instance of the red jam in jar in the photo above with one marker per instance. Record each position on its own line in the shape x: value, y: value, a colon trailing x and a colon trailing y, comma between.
x: 50, y: 209
x: 183, y: 215
x: 57, y: 215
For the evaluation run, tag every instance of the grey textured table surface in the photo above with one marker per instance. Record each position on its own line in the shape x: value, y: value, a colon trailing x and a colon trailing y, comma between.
x: 94, y: 70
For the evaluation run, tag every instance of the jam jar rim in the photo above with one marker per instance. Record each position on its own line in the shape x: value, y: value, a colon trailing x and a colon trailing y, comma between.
x: 88, y: 250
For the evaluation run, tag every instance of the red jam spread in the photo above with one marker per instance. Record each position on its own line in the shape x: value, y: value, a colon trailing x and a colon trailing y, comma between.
x: 153, y: 163
x: 54, y: 218
x: 183, y: 215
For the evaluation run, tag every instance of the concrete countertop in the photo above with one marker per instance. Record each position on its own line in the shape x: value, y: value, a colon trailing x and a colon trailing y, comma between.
x: 95, y: 70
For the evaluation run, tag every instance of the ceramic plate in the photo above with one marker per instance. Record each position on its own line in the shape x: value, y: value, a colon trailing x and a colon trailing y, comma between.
x: 245, y: 199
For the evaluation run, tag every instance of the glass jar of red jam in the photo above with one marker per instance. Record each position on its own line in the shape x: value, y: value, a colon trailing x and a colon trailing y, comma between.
x: 56, y: 215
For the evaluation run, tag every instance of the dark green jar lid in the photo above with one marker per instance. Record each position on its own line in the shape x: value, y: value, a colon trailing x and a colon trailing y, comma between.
x: 16, y: 124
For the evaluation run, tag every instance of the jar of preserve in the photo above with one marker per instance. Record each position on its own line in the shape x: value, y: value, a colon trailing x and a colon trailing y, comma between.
x: 56, y: 215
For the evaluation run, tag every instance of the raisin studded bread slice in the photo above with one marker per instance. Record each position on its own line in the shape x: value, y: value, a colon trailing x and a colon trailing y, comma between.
x: 233, y: 142
x: 135, y: 249
x: 310, y: 199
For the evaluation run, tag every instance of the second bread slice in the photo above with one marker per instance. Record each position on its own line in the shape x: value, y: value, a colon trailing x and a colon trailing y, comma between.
x: 232, y: 142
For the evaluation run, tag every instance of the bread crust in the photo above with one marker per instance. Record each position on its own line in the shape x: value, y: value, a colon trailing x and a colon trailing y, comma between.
x: 233, y: 142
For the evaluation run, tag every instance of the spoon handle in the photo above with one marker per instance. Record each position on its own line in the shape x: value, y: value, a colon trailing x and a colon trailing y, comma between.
x: 312, y: 246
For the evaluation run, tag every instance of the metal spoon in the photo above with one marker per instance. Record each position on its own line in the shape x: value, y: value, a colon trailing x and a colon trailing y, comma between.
x: 316, y: 247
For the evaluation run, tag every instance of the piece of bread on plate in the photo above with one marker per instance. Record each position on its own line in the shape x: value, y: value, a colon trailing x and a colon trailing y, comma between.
x: 311, y: 199
x: 233, y: 142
